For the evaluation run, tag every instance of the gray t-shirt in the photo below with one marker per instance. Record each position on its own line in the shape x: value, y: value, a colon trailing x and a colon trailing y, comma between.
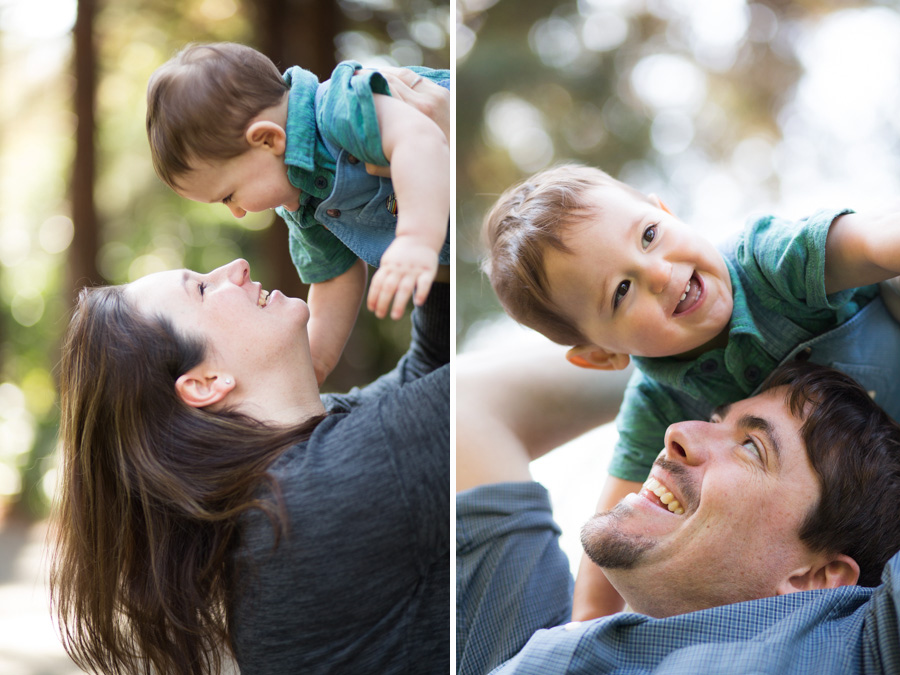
x: 361, y: 582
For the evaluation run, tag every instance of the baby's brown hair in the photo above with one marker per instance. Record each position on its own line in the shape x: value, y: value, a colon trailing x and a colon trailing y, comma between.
x: 200, y: 102
x: 524, y: 221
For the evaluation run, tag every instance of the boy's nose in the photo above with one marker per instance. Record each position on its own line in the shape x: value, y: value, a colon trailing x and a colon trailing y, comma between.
x: 658, y: 275
x: 236, y: 210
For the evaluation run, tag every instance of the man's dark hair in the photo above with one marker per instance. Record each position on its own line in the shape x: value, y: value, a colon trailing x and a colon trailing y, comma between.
x: 854, y: 449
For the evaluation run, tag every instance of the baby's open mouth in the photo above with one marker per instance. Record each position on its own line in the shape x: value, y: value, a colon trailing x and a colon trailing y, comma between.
x: 690, y: 296
x: 663, y: 495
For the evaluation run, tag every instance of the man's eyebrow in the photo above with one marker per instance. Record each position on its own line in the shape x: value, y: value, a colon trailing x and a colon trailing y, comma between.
x: 762, y: 425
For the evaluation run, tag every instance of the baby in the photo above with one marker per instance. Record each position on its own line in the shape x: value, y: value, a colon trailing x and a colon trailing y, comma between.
x: 592, y: 263
x: 225, y: 126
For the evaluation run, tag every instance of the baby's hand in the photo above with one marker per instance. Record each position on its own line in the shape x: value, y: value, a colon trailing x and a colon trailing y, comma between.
x: 407, y: 264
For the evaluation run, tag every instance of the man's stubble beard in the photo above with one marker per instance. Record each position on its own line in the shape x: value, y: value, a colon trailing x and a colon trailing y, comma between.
x: 608, y: 546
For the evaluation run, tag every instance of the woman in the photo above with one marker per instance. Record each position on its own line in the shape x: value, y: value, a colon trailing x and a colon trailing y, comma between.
x: 212, y: 497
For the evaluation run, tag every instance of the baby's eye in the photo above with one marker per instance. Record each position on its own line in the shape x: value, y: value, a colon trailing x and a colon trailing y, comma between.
x: 648, y: 236
x: 621, y: 290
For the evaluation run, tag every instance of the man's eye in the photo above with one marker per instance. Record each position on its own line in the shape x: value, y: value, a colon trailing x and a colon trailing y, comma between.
x: 648, y: 236
x: 751, y: 445
x: 621, y: 290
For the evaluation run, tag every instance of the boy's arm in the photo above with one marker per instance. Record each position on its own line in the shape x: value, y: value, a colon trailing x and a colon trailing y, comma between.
x: 333, y: 306
x: 594, y: 596
x: 419, y: 156
x: 861, y: 250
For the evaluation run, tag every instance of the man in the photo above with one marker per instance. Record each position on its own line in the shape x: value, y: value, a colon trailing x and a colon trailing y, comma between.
x: 795, y: 489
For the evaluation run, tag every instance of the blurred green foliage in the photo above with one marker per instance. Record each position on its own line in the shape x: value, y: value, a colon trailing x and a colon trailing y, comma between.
x: 144, y: 225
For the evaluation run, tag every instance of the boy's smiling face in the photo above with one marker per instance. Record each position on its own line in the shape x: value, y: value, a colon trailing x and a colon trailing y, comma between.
x: 638, y: 281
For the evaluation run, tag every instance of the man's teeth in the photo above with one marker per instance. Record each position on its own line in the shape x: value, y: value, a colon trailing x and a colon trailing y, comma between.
x: 687, y: 289
x: 263, y: 299
x: 664, y: 495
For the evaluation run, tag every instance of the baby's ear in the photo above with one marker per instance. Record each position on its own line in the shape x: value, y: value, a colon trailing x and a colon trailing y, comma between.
x: 660, y: 203
x: 592, y: 356
x: 266, y: 134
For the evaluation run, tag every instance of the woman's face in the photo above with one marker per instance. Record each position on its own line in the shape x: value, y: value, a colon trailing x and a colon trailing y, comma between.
x: 247, y: 330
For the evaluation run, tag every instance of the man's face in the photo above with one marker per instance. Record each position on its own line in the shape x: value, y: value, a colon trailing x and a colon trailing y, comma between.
x: 638, y: 280
x: 745, y: 485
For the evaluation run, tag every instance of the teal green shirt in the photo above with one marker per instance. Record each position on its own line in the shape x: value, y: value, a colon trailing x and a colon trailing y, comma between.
x: 343, y: 117
x: 777, y: 270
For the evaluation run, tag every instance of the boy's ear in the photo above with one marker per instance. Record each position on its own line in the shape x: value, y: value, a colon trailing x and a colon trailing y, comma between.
x: 833, y: 572
x: 660, y: 203
x: 592, y: 356
x: 200, y: 388
x: 267, y: 134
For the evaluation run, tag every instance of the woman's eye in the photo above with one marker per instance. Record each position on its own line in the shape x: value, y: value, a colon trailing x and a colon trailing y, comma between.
x: 648, y: 236
x: 202, y: 288
x: 621, y: 290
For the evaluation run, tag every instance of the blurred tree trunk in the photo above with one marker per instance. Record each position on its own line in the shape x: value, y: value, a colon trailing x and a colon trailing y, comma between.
x: 83, y: 251
x: 294, y: 32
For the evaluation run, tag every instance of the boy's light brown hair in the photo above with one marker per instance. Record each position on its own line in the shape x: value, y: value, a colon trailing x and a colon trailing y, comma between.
x: 200, y: 102
x: 524, y: 221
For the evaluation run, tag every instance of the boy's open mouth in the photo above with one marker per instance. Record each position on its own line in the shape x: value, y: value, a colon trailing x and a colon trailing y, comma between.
x: 691, y: 295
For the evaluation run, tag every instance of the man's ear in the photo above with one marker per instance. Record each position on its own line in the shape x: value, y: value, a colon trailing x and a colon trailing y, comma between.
x: 266, y: 134
x: 200, y: 388
x: 592, y: 356
x: 660, y: 203
x: 836, y: 571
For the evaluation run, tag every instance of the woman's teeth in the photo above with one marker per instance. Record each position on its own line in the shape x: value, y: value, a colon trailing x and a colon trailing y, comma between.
x: 263, y: 299
x: 664, y: 495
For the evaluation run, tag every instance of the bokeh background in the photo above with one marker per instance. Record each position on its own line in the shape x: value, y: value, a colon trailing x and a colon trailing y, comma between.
x: 80, y: 204
x: 724, y: 108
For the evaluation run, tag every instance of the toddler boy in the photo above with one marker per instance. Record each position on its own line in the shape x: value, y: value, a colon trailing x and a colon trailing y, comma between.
x: 591, y: 262
x: 225, y: 126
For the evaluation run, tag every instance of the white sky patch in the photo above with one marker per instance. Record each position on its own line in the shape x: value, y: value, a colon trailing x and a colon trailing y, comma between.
x: 37, y: 19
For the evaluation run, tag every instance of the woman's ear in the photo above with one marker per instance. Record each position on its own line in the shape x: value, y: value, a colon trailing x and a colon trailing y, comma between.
x: 200, y: 388
x: 833, y: 572
x: 593, y: 357
x: 266, y: 134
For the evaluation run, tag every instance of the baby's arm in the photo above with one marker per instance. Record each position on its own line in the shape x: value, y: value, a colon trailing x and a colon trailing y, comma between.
x: 420, y: 170
x: 861, y: 250
x: 333, y: 306
x: 594, y: 595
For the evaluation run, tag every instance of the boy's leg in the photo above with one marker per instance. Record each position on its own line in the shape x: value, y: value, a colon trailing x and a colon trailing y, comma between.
x: 512, y: 577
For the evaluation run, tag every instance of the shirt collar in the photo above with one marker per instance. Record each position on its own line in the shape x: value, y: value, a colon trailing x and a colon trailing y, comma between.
x: 301, y: 121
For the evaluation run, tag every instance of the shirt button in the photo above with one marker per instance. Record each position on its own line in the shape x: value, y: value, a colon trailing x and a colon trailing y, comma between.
x: 352, y: 159
x: 321, y: 182
x: 752, y: 373
x: 334, y: 213
x: 709, y: 366
x: 804, y: 355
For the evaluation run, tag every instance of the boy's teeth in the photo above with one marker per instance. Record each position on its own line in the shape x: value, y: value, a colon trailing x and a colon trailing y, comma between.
x: 687, y: 288
x: 666, y: 497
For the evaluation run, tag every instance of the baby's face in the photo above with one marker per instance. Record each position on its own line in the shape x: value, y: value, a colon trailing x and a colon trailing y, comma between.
x: 639, y: 281
x: 253, y: 181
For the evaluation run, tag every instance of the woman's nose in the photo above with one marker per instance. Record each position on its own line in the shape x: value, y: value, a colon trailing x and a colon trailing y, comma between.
x: 237, y: 271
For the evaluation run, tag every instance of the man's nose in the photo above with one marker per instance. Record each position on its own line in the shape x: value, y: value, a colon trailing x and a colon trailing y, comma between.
x: 690, y: 442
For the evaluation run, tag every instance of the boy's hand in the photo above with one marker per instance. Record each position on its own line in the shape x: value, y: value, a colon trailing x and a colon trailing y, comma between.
x: 408, y: 263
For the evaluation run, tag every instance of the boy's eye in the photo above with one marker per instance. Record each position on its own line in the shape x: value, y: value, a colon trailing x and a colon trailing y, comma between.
x: 648, y: 236
x: 227, y: 199
x: 621, y: 290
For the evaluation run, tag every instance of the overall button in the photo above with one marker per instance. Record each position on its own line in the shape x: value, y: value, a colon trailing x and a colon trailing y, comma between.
x: 804, y: 355
x: 321, y: 182
x: 334, y: 213
x: 752, y: 373
x: 709, y: 366
x: 352, y: 159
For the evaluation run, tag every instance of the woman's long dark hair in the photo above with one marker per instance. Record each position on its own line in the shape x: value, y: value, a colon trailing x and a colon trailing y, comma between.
x: 150, y: 496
